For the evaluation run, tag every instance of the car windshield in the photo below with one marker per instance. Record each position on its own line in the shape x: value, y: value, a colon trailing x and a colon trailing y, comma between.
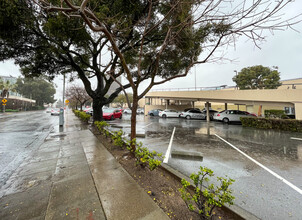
x: 108, y: 110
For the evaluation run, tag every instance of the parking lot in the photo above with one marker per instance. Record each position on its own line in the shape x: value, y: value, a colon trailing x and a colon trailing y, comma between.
x: 265, y: 164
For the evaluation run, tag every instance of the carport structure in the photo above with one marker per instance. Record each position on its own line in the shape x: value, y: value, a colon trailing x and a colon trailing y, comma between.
x: 271, y: 97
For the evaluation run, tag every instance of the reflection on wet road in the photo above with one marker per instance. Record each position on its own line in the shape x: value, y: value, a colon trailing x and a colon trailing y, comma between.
x: 21, y: 134
x: 255, y: 189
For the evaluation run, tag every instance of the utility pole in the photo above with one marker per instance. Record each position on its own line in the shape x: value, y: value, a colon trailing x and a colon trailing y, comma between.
x: 236, y: 78
x: 61, y: 119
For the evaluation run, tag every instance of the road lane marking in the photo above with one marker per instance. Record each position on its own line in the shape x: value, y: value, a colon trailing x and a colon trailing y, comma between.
x: 168, y: 153
x: 264, y: 167
x: 299, y: 139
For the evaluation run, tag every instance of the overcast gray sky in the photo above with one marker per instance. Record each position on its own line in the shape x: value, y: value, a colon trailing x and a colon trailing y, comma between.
x: 282, y: 49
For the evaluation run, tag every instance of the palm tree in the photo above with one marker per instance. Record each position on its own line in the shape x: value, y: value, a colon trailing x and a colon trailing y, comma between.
x: 6, y: 87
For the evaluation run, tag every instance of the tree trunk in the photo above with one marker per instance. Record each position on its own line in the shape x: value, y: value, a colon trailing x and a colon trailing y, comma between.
x: 98, y: 109
x: 133, y: 119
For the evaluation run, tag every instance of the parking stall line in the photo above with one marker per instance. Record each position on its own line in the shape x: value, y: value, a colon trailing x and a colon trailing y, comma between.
x: 148, y: 125
x: 168, y: 153
x: 264, y: 167
x: 293, y: 138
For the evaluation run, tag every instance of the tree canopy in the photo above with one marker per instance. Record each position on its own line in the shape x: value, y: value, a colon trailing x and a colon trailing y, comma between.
x: 36, y: 88
x: 257, y: 77
x: 121, y: 99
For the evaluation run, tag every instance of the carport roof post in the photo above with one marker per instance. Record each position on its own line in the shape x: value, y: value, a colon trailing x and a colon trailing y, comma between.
x: 298, y: 110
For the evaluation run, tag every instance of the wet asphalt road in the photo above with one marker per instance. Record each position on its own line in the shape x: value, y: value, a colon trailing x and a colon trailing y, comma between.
x: 21, y: 134
x: 256, y: 190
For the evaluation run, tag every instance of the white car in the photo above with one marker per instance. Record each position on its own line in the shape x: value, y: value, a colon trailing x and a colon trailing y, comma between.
x: 231, y: 115
x: 55, y: 111
x: 140, y: 111
x: 169, y: 113
x: 192, y: 114
x: 127, y: 111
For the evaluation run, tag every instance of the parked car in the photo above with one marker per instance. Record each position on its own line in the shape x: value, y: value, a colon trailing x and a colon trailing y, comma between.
x: 192, y: 114
x: 154, y: 112
x: 90, y: 112
x: 87, y: 109
x: 231, y: 115
x: 140, y: 111
x: 111, y: 114
x: 211, y: 112
x: 253, y: 114
x: 169, y: 113
x: 187, y: 109
x: 127, y: 111
x: 55, y: 111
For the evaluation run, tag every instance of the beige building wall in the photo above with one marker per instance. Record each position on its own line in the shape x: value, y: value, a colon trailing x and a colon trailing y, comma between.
x: 291, y: 84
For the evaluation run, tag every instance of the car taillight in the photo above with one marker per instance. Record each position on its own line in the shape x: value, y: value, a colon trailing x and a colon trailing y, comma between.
x: 218, y: 114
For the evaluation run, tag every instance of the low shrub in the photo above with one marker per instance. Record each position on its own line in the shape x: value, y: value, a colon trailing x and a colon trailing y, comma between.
x: 269, y: 123
x: 144, y: 157
x: 82, y: 115
x: 118, y: 140
x: 102, y: 125
x: 203, y: 200
x: 11, y: 110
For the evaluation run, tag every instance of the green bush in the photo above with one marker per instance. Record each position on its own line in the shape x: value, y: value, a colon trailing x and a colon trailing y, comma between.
x: 117, y: 138
x: 102, y: 125
x: 11, y: 110
x: 82, y: 115
x: 203, y: 200
x: 274, y: 114
x: 278, y: 124
x: 144, y: 157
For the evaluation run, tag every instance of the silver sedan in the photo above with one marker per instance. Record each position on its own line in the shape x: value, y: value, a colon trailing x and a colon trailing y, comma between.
x: 192, y: 114
x: 231, y: 115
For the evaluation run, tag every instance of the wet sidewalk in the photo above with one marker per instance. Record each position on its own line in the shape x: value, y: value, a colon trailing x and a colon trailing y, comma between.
x: 73, y: 176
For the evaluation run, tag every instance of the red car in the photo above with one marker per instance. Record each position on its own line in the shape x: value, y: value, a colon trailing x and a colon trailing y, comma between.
x: 111, y: 114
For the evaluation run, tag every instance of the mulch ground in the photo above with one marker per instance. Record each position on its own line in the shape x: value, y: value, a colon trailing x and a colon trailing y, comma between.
x: 159, y: 184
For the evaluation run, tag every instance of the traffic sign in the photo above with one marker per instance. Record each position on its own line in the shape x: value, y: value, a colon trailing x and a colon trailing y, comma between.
x: 4, y: 101
x: 3, y: 104
x: 66, y: 101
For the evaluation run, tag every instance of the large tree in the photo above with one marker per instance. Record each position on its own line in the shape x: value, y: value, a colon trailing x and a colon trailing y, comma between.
x: 36, y: 88
x: 150, y: 40
x: 258, y: 77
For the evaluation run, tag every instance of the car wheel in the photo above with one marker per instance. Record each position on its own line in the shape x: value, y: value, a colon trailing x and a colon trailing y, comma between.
x: 121, y: 116
x: 151, y: 114
x: 188, y: 117
x: 164, y: 116
x: 225, y: 120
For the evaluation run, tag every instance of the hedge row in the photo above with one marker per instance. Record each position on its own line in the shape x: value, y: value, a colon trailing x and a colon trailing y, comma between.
x: 82, y: 115
x: 268, y: 123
